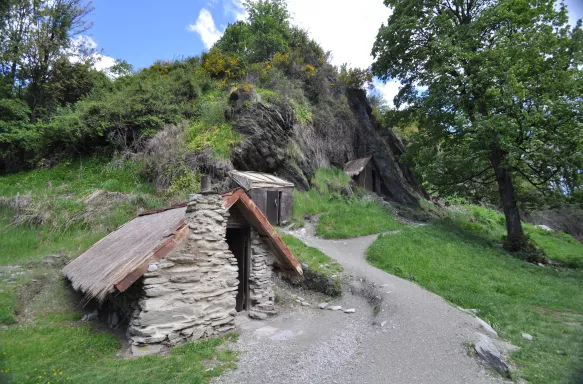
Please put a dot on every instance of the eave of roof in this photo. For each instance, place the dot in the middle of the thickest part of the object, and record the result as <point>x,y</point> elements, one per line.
<point>251,180</point>
<point>354,167</point>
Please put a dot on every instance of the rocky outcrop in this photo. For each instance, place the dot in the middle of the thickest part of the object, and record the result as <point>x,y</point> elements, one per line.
<point>276,143</point>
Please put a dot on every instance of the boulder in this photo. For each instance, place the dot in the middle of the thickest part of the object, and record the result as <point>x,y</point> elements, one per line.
<point>488,352</point>
<point>257,315</point>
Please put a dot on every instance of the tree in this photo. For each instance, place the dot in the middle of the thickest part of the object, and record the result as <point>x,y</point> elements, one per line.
<point>266,31</point>
<point>35,35</point>
<point>503,93</point>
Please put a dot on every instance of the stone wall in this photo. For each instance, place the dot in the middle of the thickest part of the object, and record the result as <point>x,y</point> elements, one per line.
<point>191,293</point>
<point>261,279</point>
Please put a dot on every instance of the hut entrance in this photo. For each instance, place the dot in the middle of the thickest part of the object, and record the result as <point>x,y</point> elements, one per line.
<point>239,243</point>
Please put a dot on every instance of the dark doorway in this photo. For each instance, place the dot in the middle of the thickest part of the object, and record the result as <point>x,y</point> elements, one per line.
<point>239,245</point>
<point>374,181</point>
<point>273,207</point>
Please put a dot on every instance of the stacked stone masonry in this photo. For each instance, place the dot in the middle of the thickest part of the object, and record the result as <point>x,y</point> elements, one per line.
<point>191,293</point>
<point>260,276</point>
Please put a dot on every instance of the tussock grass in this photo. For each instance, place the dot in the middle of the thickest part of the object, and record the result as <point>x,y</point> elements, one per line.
<point>51,216</point>
<point>458,258</point>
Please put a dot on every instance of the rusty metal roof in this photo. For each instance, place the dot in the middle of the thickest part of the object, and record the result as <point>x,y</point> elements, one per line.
<point>354,167</point>
<point>251,180</point>
<point>123,256</point>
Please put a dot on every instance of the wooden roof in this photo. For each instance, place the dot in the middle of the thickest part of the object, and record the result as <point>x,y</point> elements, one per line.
<point>251,180</point>
<point>354,167</point>
<point>123,256</point>
<point>130,248</point>
<point>259,222</point>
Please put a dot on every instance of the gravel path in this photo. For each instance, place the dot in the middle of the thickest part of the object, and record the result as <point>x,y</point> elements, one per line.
<point>416,338</point>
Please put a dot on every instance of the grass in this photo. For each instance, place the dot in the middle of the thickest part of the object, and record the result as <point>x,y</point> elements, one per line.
<point>317,260</point>
<point>342,217</point>
<point>323,273</point>
<point>458,259</point>
<point>56,220</point>
<point>50,345</point>
<point>80,354</point>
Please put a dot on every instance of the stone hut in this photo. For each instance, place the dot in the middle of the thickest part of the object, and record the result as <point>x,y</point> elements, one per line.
<point>274,196</point>
<point>183,273</point>
<point>365,174</point>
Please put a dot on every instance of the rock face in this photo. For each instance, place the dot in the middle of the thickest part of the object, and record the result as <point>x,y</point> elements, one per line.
<point>276,143</point>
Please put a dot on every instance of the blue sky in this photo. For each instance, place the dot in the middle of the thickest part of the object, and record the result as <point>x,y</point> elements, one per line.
<point>143,31</point>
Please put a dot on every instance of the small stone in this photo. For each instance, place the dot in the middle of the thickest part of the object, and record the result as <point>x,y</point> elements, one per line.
<point>305,304</point>
<point>351,310</point>
<point>335,308</point>
<point>152,268</point>
<point>527,336</point>
<point>305,266</point>
<point>486,327</point>
<point>544,227</point>
<point>257,315</point>
<point>322,305</point>
<point>91,316</point>
<point>383,323</point>
<point>114,320</point>
<point>146,350</point>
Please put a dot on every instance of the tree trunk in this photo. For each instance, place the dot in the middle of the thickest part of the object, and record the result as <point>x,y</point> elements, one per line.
<point>516,240</point>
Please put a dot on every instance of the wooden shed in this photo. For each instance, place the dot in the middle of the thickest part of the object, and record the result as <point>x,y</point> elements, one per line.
<point>273,196</point>
<point>364,173</point>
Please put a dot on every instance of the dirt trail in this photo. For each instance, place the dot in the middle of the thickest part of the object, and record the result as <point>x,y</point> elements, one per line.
<point>422,339</point>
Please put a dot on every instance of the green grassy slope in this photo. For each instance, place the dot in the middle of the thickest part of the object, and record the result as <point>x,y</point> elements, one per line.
<point>459,258</point>
<point>55,219</point>
<point>342,217</point>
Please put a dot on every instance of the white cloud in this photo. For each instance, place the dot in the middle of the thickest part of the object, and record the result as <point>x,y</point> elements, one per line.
<point>206,28</point>
<point>389,90</point>
<point>101,62</point>
<point>341,26</point>
<point>236,9</point>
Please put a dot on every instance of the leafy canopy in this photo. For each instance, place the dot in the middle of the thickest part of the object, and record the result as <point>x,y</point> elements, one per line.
<point>496,88</point>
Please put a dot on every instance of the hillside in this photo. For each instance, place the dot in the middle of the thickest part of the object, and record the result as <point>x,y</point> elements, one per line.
<point>83,151</point>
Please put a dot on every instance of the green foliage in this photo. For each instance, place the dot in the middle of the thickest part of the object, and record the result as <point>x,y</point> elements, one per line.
<point>318,264</point>
<point>511,295</point>
<point>7,305</point>
<point>502,101</point>
<point>355,77</point>
<point>302,112</point>
<point>342,217</point>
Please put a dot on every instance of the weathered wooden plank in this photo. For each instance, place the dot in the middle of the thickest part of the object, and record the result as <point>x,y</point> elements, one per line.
<point>158,254</point>
<point>287,204</point>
